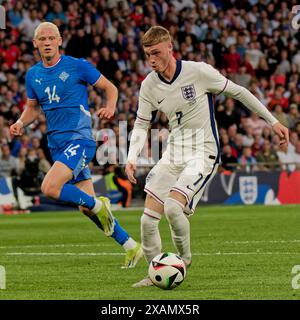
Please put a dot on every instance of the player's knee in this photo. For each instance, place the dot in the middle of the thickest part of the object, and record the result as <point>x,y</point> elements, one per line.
<point>150,223</point>
<point>50,190</point>
<point>144,222</point>
<point>43,187</point>
<point>172,208</point>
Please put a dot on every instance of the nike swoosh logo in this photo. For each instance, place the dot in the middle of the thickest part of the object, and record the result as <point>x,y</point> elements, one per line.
<point>160,101</point>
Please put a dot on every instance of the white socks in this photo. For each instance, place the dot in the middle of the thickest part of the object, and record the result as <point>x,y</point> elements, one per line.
<point>151,241</point>
<point>180,228</point>
<point>97,207</point>
<point>129,244</point>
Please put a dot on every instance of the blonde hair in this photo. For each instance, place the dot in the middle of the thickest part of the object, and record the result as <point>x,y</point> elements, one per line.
<point>44,25</point>
<point>155,35</point>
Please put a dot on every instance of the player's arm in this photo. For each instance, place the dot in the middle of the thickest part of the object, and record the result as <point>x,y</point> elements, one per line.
<point>111,93</point>
<point>88,73</point>
<point>32,108</point>
<point>252,103</point>
<point>137,141</point>
<point>216,83</point>
<point>30,113</point>
<point>139,134</point>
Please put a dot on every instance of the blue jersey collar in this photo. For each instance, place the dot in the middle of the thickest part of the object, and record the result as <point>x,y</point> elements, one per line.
<point>58,61</point>
<point>176,74</point>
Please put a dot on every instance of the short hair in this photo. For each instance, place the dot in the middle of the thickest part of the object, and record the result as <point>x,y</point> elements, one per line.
<point>44,25</point>
<point>155,35</point>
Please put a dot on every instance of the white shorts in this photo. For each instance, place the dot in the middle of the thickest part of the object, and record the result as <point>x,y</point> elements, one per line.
<point>189,179</point>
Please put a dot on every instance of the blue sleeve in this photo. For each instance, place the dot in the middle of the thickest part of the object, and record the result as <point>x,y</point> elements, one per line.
<point>29,90</point>
<point>87,72</point>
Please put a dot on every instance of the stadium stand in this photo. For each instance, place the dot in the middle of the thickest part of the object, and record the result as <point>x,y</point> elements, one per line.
<point>252,42</point>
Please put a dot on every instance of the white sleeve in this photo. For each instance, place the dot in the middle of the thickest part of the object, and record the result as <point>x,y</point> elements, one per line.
<point>146,107</point>
<point>213,80</point>
<point>217,83</point>
<point>141,126</point>
<point>250,101</point>
<point>137,140</point>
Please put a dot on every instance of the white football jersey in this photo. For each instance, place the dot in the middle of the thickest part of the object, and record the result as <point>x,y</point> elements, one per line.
<point>187,102</point>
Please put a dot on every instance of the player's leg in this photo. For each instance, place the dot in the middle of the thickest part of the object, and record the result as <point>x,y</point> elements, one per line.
<point>55,186</point>
<point>151,241</point>
<point>87,187</point>
<point>159,181</point>
<point>70,162</point>
<point>182,201</point>
<point>133,249</point>
<point>179,224</point>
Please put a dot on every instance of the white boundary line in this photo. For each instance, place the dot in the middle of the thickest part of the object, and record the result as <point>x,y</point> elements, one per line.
<point>64,254</point>
<point>244,253</point>
<point>119,254</point>
<point>58,245</point>
<point>262,241</point>
<point>78,245</point>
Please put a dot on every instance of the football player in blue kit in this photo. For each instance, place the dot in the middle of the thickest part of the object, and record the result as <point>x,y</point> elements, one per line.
<point>58,85</point>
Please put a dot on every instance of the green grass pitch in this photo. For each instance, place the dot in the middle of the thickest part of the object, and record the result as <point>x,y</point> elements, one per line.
<point>238,253</point>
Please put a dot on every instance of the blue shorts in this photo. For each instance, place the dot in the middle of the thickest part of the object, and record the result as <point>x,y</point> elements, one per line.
<point>76,155</point>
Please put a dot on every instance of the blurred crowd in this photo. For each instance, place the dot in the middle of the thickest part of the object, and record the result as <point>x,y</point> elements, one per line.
<point>252,42</point>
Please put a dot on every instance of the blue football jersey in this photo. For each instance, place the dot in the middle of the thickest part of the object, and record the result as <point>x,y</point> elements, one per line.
<point>61,91</point>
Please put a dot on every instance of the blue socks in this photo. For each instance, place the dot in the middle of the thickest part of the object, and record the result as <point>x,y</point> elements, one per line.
<point>72,194</point>
<point>120,235</point>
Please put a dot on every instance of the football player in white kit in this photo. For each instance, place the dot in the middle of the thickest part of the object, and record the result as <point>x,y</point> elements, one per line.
<point>183,91</point>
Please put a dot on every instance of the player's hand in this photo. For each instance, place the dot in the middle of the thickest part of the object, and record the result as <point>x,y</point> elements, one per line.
<point>106,113</point>
<point>130,169</point>
<point>282,132</point>
<point>16,129</point>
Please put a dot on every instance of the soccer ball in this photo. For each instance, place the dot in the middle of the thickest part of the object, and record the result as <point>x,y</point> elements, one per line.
<point>167,270</point>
